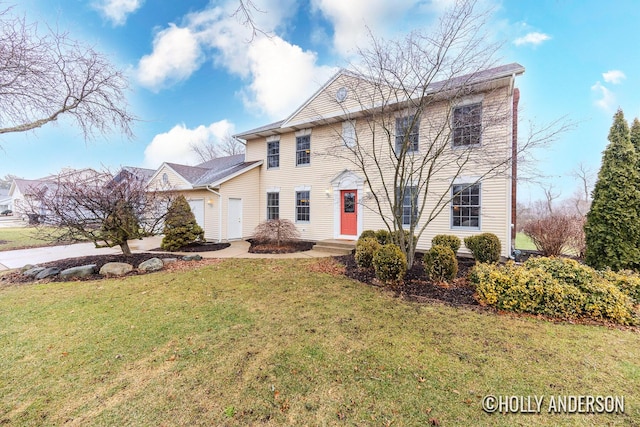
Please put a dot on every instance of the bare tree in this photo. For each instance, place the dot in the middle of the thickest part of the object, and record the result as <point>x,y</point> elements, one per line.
<point>412,86</point>
<point>582,198</point>
<point>45,75</point>
<point>549,197</point>
<point>227,146</point>
<point>98,206</point>
<point>244,13</point>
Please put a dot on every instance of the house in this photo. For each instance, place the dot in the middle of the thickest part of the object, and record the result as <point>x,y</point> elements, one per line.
<point>302,171</point>
<point>222,193</point>
<point>6,203</point>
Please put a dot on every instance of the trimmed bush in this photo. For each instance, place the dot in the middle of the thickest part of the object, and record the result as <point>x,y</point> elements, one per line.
<point>440,263</point>
<point>367,233</point>
<point>447,240</point>
<point>180,226</point>
<point>384,237</point>
<point>365,250</point>
<point>390,264</point>
<point>485,247</point>
<point>626,280</point>
<point>553,287</point>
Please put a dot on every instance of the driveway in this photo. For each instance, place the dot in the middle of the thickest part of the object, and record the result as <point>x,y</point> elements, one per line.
<point>21,257</point>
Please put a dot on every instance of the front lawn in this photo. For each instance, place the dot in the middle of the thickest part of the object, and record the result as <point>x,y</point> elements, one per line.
<point>20,237</point>
<point>278,342</point>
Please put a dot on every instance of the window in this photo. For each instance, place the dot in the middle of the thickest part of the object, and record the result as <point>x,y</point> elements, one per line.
<point>302,206</point>
<point>349,133</point>
<point>407,134</point>
<point>409,204</point>
<point>467,125</point>
<point>165,179</point>
<point>273,154</point>
<point>303,150</point>
<point>273,205</point>
<point>465,205</point>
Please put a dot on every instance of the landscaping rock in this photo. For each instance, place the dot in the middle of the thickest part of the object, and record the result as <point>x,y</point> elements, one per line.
<point>80,271</point>
<point>116,269</point>
<point>169,260</point>
<point>48,272</point>
<point>28,267</point>
<point>33,271</point>
<point>153,264</point>
<point>195,257</point>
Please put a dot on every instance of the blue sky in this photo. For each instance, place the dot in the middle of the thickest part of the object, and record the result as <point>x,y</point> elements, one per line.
<point>195,76</point>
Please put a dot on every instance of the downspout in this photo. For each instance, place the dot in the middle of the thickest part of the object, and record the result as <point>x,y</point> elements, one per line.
<point>219,211</point>
<point>514,165</point>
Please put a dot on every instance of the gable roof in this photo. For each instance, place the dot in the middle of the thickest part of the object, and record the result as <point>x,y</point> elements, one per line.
<point>217,177</point>
<point>24,185</point>
<point>287,125</point>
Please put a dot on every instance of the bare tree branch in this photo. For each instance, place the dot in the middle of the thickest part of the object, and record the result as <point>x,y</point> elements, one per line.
<point>45,75</point>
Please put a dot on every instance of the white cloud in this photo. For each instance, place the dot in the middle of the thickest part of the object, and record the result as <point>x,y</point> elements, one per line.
<point>176,145</point>
<point>278,89</point>
<point>607,99</point>
<point>614,76</point>
<point>117,11</point>
<point>176,55</point>
<point>534,39</point>
<point>279,75</point>
<point>352,19</point>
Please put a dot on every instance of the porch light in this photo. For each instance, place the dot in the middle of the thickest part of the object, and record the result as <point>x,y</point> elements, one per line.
<point>210,201</point>
<point>328,192</point>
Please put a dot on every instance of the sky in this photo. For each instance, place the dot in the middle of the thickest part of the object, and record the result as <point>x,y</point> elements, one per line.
<point>196,73</point>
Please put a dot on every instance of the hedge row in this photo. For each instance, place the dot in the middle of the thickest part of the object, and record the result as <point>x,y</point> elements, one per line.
<point>558,287</point>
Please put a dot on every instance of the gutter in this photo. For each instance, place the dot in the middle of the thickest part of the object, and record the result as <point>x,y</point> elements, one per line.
<point>219,211</point>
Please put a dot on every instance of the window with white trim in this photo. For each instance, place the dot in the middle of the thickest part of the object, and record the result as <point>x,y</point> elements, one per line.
<point>349,133</point>
<point>303,150</point>
<point>273,205</point>
<point>408,204</point>
<point>465,206</point>
<point>407,133</point>
<point>303,210</point>
<point>467,125</point>
<point>273,154</point>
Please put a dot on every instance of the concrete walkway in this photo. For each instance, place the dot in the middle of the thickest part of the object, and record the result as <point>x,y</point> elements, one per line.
<point>21,257</point>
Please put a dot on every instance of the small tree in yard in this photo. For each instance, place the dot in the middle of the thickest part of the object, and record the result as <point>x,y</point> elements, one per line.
<point>276,231</point>
<point>553,234</point>
<point>95,206</point>
<point>180,226</point>
<point>612,229</point>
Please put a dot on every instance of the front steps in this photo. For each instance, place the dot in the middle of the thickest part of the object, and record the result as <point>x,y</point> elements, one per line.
<point>335,247</point>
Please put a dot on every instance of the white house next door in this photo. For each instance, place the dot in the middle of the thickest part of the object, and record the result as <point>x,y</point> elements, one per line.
<point>234,220</point>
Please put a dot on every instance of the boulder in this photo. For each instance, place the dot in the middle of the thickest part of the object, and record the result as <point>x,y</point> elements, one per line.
<point>80,271</point>
<point>32,272</point>
<point>48,272</point>
<point>169,260</point>
<point>195,257</point>
<point>116,269</point>
<point>153,264</point>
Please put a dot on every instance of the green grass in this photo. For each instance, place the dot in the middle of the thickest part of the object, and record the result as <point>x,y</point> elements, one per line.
<point>24,237</point>
<point>270,342</point>
<point>524,242</point>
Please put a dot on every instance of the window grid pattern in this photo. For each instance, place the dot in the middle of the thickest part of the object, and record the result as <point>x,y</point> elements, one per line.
<point>409,205</point>
<point>273,154</point>
<point>465,206</point>
<point>273,205</point>
<point>467,125</point>
<point>303,150</point>
<point>407,132</point>
<point>303,211</point>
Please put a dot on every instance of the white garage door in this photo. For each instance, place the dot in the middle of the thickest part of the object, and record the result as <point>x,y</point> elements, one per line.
<point>197,207</point>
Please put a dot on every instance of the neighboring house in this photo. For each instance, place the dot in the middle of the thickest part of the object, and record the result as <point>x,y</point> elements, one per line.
<point>222,193</point>
<point>289,175</point>
<point>5,200</point>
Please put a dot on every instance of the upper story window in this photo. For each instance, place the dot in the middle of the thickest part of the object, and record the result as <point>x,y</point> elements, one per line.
<point>467,125</point>
<point>273,154</point>
<point>349,133</point>
<point>465,206</point>
<point>303,150</point>
<point>165,179</point>
<point>407,134</point>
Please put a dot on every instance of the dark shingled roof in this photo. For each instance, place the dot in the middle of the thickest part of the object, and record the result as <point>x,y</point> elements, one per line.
<point>212,171</point>
<point>215,176</point>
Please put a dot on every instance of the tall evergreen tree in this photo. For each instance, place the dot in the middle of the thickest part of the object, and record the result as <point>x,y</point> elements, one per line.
<point>612,229</point>
<point>635,136</point>
<point>180,226</point>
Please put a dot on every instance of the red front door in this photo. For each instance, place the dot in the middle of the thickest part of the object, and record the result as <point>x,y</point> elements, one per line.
<point>348,212</point>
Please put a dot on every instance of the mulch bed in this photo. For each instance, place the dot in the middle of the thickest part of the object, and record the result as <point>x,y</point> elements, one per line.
<point>285,248</point>
<point>199,247</point>
<point>417,287</point>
